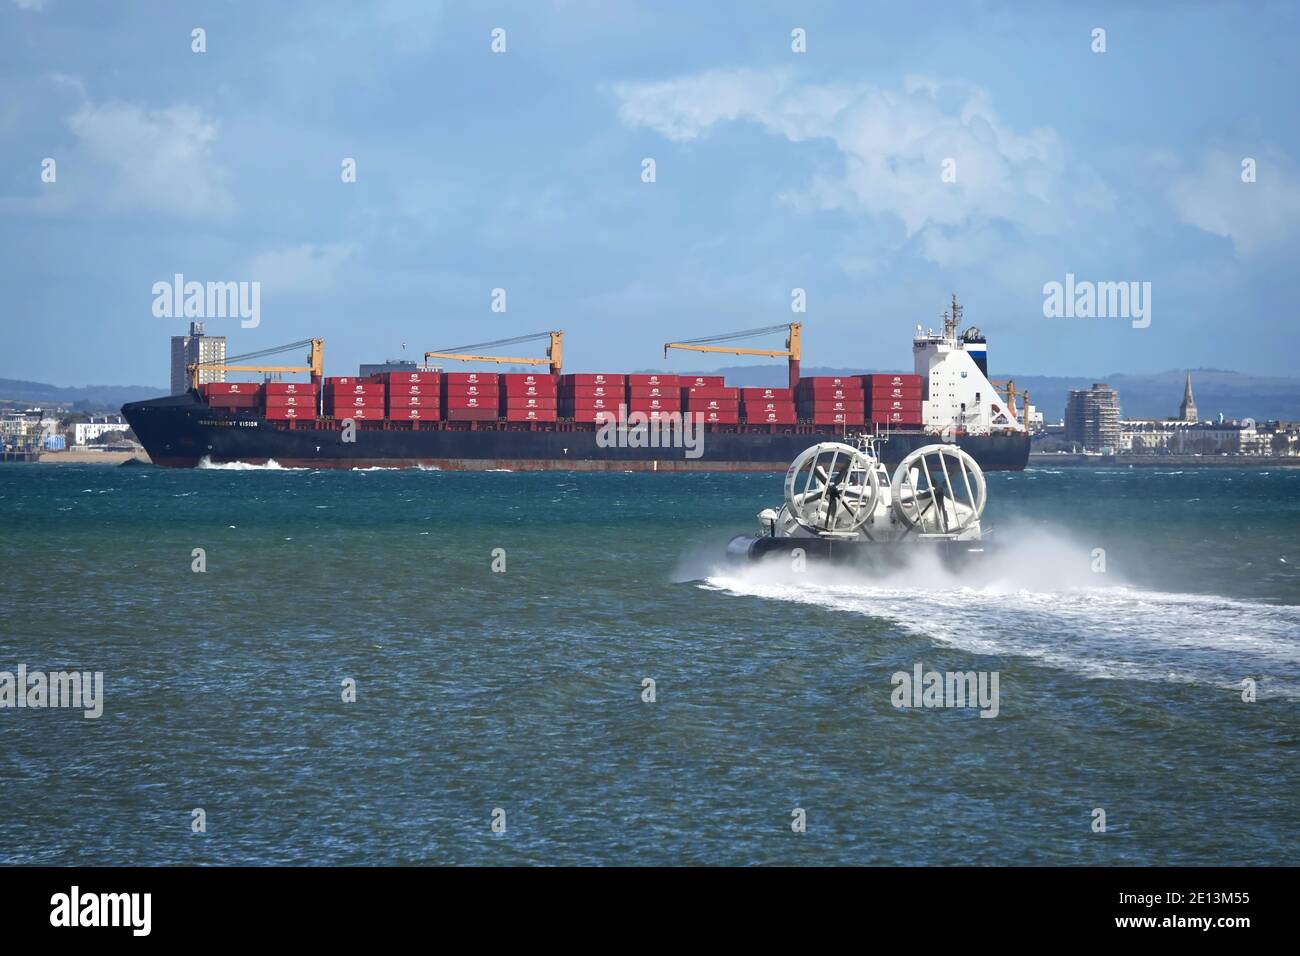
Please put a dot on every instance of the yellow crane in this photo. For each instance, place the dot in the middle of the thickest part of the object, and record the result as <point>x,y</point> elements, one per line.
<point>315,362</point>
<point>469,353</point>
<point>792,351</point>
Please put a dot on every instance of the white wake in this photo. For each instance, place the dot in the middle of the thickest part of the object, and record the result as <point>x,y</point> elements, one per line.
<point>1039,599</point>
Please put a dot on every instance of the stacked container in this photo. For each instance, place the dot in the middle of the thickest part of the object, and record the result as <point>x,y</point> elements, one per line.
<point>892,399</point>
<point>347,396</point>
<point>831,400</point>
<point>708,397</point>
<point>654,394</point>
<point>287,401</point>
<point>767,406</point>
<point>231,395</point>
<point>471,396</point>
<point>412,396</point>
<point>529,398</point>
<point>585,396</point>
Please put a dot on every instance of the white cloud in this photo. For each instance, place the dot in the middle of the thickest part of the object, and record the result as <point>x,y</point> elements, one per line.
<point>893,144</point>
<point>37,5</point>
<point>1213,198</point>
<point>157,160</point>
<point>305,269</point>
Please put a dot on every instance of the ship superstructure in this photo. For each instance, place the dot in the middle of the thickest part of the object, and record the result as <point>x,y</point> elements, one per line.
<point>959,396</point>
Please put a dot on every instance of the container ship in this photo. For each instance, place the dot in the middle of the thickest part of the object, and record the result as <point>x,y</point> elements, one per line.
<point>426,416</point>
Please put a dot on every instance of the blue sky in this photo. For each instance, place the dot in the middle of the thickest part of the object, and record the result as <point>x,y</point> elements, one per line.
<point>774,170</point>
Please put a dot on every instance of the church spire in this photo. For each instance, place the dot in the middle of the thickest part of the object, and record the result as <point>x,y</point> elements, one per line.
<point>1187,410</point>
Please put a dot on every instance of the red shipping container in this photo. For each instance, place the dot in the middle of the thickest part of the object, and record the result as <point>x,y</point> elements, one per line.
<point>285,412</point>
<point>356,388</point>
<point>357,414</point>
<point>364,413</point>
<point>731,417</point>
<point>895,391</point>
<point>712,404</point>
<point>855,408</point>
<point>912,406</point>
<point>529,391</point>
<point>831,381</point>
<point>290,388</point>
<point>529,401</point>
<point>230,388</point>
<point>654,405</point>
<point>414,401</point>
<point>784,416</point>
<point>820,392</point>
<point>477,391</point>
<point>763,408</point>
<point>471,401</point>
<point>530,414</point>
<point>597,403</point>
<point>414,388</point>
<point>590,414</point>
<point>343,380</point>
<point>891,378</point>
<point>767,394</point>
<point>471,378</point>
<point>895,418</point>
<point>653,391</point>
<point>711,391</point>
<point>470,414</point>
<point>594,391</point>
<point>527,378</point>
<point>590,379</point>
<point>652,381</point>
<point>414,414</point>
<point>234,401</point>
<point>409,378</point>
<point>301,401</point>
<point>837,418</point>
<point>702,381</point>
<point>354,401</point>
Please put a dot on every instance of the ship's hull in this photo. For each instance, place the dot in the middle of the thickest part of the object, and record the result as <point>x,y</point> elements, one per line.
<point>180,431</point>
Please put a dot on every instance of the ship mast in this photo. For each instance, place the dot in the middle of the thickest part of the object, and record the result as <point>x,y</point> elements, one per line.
<point>951,320</point>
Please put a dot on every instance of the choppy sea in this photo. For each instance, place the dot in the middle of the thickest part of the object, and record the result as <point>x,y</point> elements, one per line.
<point>1123,614</point>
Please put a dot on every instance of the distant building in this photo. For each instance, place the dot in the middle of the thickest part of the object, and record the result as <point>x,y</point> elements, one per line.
<point>195,347</point>
<point>1173,437</point>
<point>84,432</point>
<point>1220,438</point>
<point>1186,435</point>
<point>1092,418</point>
<point>13,424</point>
<point>1151,436</point>
<point>1187,410</point>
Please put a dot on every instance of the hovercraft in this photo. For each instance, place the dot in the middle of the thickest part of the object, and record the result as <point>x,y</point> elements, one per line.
<point>842,506</point>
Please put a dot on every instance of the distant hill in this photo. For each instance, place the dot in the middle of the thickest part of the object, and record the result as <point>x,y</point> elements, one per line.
<point>1156,395</point>
<point>94,397</point>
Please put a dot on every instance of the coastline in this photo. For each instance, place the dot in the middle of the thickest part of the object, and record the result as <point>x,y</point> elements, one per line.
<point>1041,459</point>
<point>81,456</point>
